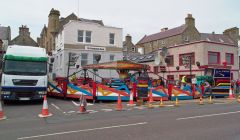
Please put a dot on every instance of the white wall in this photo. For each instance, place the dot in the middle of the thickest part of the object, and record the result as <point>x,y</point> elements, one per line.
<point>100,34</point>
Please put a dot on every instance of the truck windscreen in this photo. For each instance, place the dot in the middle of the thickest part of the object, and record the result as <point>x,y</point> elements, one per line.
<point>25,68</point>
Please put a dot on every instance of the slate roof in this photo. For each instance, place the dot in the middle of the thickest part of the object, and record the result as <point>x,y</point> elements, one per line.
<point>164,34</point>
<point>219,38</point>
<point>141,58</point>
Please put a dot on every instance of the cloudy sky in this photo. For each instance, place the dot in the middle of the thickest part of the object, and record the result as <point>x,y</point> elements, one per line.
<point>136,17</point>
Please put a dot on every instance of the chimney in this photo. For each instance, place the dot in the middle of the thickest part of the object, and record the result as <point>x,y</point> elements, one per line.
<point>128,38</point>
<point>189,20</point>
<point>233,33</point>
<point>24,31</point>
<point>164,29</point>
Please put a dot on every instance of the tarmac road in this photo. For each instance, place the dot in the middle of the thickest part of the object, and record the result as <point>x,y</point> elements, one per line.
<point>189,121</point>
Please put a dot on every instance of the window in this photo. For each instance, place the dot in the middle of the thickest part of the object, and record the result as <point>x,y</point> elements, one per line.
<point>84,36</point>
<point>111,57</point>
<point>111,38</point>
<point>186,38</point>
<point>133,49</point>
<point>80,35</point>
<point>229,59</point>
<point>155,69</point>
<point>84,59</point>
<point>186,56</point>
<point>170,60</point>
<point>213,57</point>
<point>94,56</point>
<point>88,37</point>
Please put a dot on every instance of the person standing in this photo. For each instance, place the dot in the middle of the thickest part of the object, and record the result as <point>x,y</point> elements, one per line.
<point>207,88</point>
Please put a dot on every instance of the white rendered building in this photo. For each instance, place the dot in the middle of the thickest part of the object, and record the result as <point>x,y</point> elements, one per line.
<point>79,41</point>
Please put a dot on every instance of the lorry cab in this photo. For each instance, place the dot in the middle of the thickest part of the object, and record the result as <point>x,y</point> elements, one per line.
<point>24,74</point>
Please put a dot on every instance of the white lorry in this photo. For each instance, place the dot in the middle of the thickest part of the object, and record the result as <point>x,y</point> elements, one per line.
<point>24,73</point>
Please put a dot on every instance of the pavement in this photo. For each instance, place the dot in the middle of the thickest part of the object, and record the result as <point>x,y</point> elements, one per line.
<point>217,121</point>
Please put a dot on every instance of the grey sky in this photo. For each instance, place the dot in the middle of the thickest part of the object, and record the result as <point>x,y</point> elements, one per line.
<point>136,17</point>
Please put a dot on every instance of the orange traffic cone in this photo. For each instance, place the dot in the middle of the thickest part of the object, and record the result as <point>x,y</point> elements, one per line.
<point>83,105</point>
<point>119,105</point>
<point>2,117</point>
<point>45,112</point>
<point>201,100</point>
<point>150,96</point>
<point>231,96</point>
<point>131,103</point>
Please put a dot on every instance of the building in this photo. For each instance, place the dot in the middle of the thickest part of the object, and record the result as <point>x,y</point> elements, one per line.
<point>79,41</point>
<point>5,37</point>
<point>23,38</point>
<point>169,37</point>
<point>129,49</point>
<point>209,50</point>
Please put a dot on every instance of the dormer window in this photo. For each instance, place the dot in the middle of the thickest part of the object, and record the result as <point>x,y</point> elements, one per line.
<point>133,49</point>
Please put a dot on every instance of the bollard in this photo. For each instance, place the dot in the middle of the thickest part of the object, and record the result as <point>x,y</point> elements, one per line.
<point>176,102</point>
<point>238,99</point>
<point>161,103</point>
<point>210,101</point>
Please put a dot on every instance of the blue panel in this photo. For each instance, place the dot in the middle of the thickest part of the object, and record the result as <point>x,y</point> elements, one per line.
<point>159,93</point>
<point>55,87</point>
<point>182,98</point>
<point>123,87</point>
<point>16,88</point>
<point>79,89</point>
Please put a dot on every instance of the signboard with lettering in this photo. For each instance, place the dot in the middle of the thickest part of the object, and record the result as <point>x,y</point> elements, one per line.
<point>95,48</point>
<point>223,73</point>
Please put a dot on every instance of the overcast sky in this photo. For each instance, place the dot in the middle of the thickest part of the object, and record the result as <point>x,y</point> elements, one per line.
<point>136,17</point>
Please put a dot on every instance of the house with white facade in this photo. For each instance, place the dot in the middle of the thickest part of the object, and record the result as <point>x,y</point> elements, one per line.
<point>79,41</point>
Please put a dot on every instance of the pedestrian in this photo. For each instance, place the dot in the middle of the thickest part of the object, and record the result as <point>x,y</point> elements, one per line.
<point>183,82</point>
<point>207,88</point>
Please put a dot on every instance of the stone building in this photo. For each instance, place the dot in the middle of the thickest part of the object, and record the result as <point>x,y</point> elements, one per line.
<point>75,42</point>
<point>5,36</point>
<point>129,49</point>
<point>210,50</point>
<point>23,38</point>
<point>169,37</point>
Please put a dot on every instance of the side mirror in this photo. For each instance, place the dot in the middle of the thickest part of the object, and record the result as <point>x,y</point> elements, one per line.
<point>77,66</point>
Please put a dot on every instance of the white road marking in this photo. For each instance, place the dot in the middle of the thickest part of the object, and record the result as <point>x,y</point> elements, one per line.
<point>83,130</point>
<point>209,115</point>
<point>70,111</point>
<point>58,108</point>
<point>76,104</point>
<point>107,110</point>
<point>92,111</point>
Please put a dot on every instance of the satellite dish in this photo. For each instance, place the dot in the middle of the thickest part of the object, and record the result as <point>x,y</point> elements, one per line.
<point>157,59</point>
